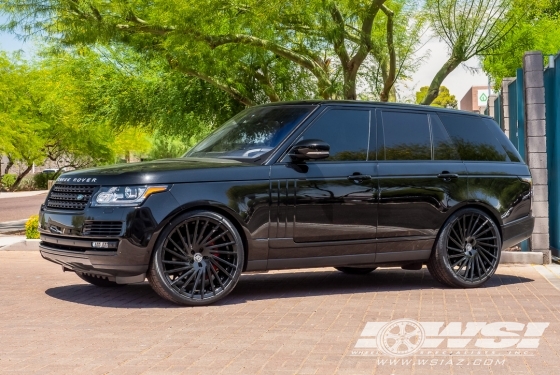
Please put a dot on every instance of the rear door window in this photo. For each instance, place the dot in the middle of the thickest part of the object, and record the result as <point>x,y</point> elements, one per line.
<point>406,136</point>
<point>473,138</point>
<point>444,148</point>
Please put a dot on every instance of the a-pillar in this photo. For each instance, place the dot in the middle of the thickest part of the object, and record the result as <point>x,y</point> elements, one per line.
<point>535,130</point>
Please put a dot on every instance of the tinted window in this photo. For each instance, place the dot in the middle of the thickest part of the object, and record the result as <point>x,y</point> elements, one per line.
<point>346,131</point>
<point>407,136</point>
<point>444,149</point>
<point>510,150</point>
<point>473,139</point>
<point>251,133</point>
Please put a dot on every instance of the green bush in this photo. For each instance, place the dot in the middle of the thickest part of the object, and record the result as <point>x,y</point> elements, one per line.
<point>8,180</point>
<point>41,180</point>
<point>32,227</point>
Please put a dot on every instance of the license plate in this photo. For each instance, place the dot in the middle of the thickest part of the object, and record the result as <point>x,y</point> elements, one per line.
<point>100,245</point>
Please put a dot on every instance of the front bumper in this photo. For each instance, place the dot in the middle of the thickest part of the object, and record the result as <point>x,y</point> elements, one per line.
<point>516,231</point>
<point>65,241</point>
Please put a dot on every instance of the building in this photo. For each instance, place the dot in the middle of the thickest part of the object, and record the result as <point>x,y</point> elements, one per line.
<point>475,100</point>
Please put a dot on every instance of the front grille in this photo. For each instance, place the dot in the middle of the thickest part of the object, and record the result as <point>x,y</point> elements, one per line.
<point>102,228</point>
<point>65,197</point>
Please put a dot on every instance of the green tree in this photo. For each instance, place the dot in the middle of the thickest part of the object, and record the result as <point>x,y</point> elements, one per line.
<point>444,99</point>
<point>539,30</point>
<point>252,50</point>
<point>469,29</point>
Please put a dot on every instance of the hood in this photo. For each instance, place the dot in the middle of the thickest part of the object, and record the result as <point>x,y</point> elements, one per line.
<point>166,171</point>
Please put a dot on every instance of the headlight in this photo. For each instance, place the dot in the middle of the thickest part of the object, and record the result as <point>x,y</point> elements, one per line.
<point>125,195</point>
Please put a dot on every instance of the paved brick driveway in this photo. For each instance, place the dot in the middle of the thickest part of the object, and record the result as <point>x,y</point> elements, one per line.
<point>305,322</point>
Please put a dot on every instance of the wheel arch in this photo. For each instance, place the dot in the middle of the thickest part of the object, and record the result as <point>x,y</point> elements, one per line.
<point>218,208</point>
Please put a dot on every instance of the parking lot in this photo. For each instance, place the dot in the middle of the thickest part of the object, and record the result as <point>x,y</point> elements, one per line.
<point>297,322</point>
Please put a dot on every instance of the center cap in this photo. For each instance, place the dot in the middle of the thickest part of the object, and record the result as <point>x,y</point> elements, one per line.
<point>198,257</point>
<point>468,247</point>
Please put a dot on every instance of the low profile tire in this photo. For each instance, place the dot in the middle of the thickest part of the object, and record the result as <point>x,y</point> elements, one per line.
<point>96,280</point>
<point>355,270</point>
<point>198,259</point>
<point>468,249</point>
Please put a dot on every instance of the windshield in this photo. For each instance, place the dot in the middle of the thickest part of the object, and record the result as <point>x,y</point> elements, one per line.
<point>251,133</point>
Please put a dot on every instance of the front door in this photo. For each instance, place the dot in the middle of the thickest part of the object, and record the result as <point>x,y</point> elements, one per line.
<point>329,200</point>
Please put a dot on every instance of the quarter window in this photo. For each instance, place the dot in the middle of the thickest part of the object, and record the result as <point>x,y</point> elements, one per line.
<point>346,131</point>
<point>407,136</point>
<point>473,138</point>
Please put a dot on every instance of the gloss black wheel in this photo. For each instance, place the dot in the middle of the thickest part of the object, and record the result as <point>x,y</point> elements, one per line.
<point>355,270</point>
<point>198,259</point>
<point>468,250</point>
<point>97,280</point>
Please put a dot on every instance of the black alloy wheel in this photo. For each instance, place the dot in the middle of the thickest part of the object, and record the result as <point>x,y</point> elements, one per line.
<point>198,259</point>
<point>97,280</point>
<point>355,270</point>
<point>468,250</point>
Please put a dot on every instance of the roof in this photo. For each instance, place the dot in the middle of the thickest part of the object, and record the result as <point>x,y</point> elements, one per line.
<point>363,103</point>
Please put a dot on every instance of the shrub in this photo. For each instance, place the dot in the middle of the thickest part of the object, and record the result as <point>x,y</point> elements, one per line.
<point>32,227</point>
<point>41,180</point>
<point>8,180</point>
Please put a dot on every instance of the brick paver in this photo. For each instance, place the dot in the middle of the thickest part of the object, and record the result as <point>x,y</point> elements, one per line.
<point>296,322</point>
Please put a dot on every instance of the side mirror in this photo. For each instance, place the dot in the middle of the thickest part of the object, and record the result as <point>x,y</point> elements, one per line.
<point>310,149</point>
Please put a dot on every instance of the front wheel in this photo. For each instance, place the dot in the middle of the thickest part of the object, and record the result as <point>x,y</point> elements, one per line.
<point>198,259</point>
<point>468,250</point>
<point>355,270</point>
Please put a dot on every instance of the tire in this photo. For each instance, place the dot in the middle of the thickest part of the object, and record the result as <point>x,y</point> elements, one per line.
<point>467,251</point>
<point>197,260</point>
<point>96,280</point>
<point>356,270</point>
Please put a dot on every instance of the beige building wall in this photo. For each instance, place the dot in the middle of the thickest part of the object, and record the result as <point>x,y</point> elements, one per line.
<point>470,100</point>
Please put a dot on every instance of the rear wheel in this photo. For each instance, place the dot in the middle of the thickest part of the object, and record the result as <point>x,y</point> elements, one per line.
<point>468,250</point>
<point>355,270</point>
<point>198,259</point>
<point>96,280</point>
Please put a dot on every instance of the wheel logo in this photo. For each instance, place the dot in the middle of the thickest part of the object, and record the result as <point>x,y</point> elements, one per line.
<point>198,257</point>
<point>401,337</point>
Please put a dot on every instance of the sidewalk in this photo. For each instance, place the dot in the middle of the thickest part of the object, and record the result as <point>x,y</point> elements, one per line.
<point>21,194</point>
<point>10,240</point>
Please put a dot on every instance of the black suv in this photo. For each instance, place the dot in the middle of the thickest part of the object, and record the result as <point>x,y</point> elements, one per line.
<point>351,185</point>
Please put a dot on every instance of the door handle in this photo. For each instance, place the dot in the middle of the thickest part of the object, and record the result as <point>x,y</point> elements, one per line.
<point>448,176</point>
<point>359,177</point>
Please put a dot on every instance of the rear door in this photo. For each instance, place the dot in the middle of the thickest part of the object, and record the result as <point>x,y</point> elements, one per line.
<point>421,177</point>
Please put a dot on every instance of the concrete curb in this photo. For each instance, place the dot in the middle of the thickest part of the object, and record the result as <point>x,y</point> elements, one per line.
<point>25,245</point>
<point>522,257</point>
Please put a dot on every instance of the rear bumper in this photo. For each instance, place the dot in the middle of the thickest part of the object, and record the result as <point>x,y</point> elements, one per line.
<point>517,231</point>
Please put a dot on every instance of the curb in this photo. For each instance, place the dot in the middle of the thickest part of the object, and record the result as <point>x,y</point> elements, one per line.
<point>25,245</point>
<point>522,257</point>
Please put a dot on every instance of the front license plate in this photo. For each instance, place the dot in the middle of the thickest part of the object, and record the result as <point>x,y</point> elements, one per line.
<point>100,245</point>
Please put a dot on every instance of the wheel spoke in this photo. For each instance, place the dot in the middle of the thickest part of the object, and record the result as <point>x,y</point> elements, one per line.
<point>186,283</point>
<point>225,252</point>
<point>195,283</point>
<point>202,282</point>
<point>220,245</point>
<point>204,241</point>
<point>486,244</point>
<point>176,254</point>
<point>195,232</point>
<point>201,233</point>
<point>488,253</point>
<point>214,239</point>
<point>484,231</point>
<point>216,276</point>
<point>480,227</point>
<point>185,245</point>
<point>481,254</point>
<point>455,249</point>
<point>456,243</point>
<point>179,269</point>
<point>211,282</point>
<point>182,277</point>
<point>223,261</point>
<point>455,256</point>
<point>459,261</point>
<point>221,268</point>
<point>176,262</point>
<point>177,246</point>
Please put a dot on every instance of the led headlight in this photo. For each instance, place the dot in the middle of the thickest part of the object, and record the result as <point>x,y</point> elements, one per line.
<point>125,195</point>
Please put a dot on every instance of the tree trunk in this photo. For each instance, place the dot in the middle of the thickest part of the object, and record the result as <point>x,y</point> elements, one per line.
<point>20,177</point>
<point>433,90</point>
<point>9,165</point>
<point>350,83</point>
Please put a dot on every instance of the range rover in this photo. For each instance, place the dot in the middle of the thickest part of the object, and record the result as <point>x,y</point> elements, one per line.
<point>349,185</point>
